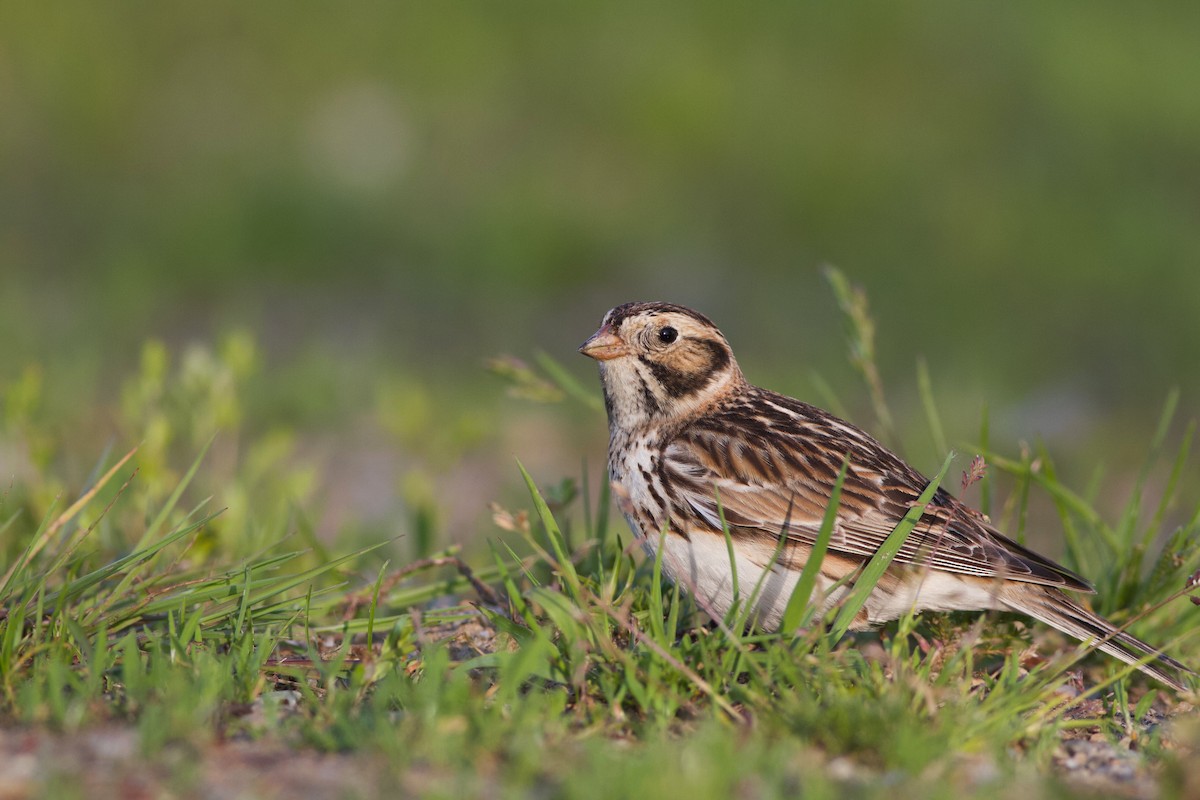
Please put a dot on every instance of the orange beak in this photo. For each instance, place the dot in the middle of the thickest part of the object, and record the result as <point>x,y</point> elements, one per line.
<point>604,345</point>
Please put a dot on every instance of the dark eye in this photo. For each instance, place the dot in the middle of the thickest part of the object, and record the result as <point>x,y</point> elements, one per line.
<point>667,335</point>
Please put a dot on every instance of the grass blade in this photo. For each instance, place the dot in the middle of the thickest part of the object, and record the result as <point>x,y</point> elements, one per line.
<point>879,562</point>
<point>160,520</point>
<point>566,381</point>
<point>925,387</point>
<point>801,606</point>
<point>554,534</point>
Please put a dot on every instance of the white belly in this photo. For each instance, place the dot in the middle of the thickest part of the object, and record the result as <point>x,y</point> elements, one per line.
<point>701,566</point>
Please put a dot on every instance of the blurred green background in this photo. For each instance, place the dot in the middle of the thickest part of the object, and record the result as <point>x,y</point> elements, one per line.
<point>380,196</point>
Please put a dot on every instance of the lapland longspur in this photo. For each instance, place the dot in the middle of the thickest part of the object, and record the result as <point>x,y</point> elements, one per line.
<point>686,428</point>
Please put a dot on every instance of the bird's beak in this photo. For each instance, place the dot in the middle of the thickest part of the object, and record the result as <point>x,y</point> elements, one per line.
<point>604,345</point>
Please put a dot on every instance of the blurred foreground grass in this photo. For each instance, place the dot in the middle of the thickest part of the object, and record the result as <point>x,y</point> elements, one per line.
<point>187,603</point>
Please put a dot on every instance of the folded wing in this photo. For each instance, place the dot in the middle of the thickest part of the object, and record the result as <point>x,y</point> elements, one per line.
<point>774,474</point>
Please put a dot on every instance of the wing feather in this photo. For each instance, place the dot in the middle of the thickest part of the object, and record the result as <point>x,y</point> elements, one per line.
<point>772,462</point>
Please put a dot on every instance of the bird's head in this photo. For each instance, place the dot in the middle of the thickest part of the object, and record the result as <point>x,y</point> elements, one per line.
<point>660,361</point>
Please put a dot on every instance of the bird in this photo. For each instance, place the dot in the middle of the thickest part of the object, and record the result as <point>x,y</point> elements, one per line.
<point>695,449</point>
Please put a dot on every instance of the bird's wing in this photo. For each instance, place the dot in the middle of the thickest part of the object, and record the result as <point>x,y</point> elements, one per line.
<point>777,478</point>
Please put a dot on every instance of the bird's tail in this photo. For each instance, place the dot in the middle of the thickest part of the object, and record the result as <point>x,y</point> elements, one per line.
<point>1049,605</point>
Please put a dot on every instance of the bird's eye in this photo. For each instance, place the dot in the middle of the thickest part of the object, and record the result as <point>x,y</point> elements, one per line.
<point>667,335</point>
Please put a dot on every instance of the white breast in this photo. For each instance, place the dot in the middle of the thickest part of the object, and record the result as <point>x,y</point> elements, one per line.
<point>634,467</point>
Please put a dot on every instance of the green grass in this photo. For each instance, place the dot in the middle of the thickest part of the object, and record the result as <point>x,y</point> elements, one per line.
<point>142,605</point>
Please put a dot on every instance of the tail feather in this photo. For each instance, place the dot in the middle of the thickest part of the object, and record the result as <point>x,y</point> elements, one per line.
<point>1049,605</point>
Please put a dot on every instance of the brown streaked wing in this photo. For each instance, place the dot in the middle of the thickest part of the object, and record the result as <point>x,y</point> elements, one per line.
<point>774,460</point>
